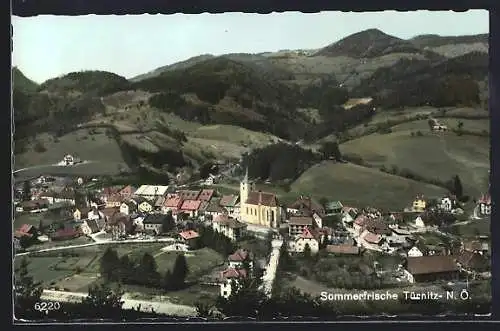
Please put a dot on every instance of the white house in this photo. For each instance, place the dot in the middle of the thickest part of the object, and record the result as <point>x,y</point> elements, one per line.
<point>128,207</point>
<point>229,227</point>
<point>229,278</point>
<point>95,214</point>
<point>414,252</point>
<point>81,213</point>
<point>239,257</point>
<point>446,204</point>
<point>308,237</point>
<point>485,205</point>
<point>419,223</point>
<point>318,220</point>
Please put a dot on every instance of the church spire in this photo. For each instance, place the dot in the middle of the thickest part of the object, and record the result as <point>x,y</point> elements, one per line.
<point>245,179</point>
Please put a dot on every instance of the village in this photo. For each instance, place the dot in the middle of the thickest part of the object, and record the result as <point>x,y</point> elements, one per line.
<point>421,251</point>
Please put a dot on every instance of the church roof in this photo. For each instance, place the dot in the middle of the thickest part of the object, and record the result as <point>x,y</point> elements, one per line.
<point>262,198</point>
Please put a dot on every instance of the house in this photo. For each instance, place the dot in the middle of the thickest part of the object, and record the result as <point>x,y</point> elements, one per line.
<point>189,194</point>
<point>419,204</point>
<point>128,207</point>
<point>415,252</point>
<point>157,222</point>
<point>66,195</point>
<point>343,249</point>
<point>484,205</point>
<point>333,208</point>
<point>257,207</point>
<point>439,128</point>
<point>432,268</point>
<point>348,216</point>
<point>309,237</point>
<point>371,238</point>
<point>189,238</point>
<point>151,192</point>
<point>81,213</point>
<point>447,203</point>
<point>305,204</point>
<point>119,225</point>
<point>419,222</point>
<point>190,207</point>
<point>113,201</point>
<point>229,278</point>
<point>172,203</point>
<point>94,225</point>
<point>229,203</point>
<point>127,192</point>
<point>297,225</point>
<point>476,246</point>
<point>144,205</point>
<point>238,259</point>
<point>33,205</point>
<point>359,223</point>
<point>206,195</point>
<point>28,229</point>
<point>65,234</point>
<point>109,191</point>
<point>95,214</point>
<point>472,262</point>
<point>214,209</point>
<point>377,226</point>
<point>229,227</point>
<point>109,212</point>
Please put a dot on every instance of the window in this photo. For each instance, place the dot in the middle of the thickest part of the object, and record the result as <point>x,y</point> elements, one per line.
<point>224,293</point>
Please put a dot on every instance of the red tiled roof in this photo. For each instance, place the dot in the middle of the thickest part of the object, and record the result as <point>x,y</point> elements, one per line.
<point>206,195</point>
<point>228,200</point>
<point>229,222</point>
<point>486,199</point>
<point>189,195</point>
<point>309,204</point>
<point>308,233</point>
<point>372,238</point>
<point>233,273</point>
<point>19,234</point>
<point>111,190</point>
<point>187,235</point>
<point>430,264</point>
<point>26,228</point>
<point>66,232</point>
<point>300,220</point>
<point>262,198</point>
<point>361,220</point>
<point>172,202</point>
<point>191,205</point>
<point>240,255</point>
<point>108,212</point>
<point>342,249</point>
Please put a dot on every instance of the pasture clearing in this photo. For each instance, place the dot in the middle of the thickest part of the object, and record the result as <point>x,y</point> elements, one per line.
<point>433,156</point>
<point>361,186</point>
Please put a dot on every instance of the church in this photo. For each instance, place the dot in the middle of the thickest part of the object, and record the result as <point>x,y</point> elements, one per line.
<point>256,207</point>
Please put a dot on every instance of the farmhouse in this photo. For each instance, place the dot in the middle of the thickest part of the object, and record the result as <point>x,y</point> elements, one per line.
<point>66,195</point>
<point>229,227</point>
<point>81,213</point>
<point>229,202</point>
<point>156,222</point>
<point>309,237</point>
<point>238,259</point>
<point>229,277</point>
<point>189,238</point>
<point>297,225</point>
<point>305,206</point>
<point>259,208</point>
<point>484,205</point>
<point>151,192</point>
<point>190,207</point>
<point>431,268</point>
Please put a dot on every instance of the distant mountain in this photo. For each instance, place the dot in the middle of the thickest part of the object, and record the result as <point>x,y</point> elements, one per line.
<point>433,40</point>
<point>368,44</point>
<point>21,82</point>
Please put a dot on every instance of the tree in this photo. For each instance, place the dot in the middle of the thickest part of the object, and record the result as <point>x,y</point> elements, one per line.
<point>202,309</point>
<point>26,191</point>
<point>167,281</point>
<point>104,301</point>
<point>167,222</point>
<point>109,265</point>
<point>456,187</point>
<point>179,272</point>
<point>330,149</point>
<point>126,269</point>
<point>41,226</point>
<point>27,291</point>
<point>246,298</point>
<point>147,271</point>
<point>307,251</point>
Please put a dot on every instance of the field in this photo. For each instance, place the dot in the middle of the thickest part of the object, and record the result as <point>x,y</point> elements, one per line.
<point>433,156</point>
<point>451,123</point>
<point>361,186</point>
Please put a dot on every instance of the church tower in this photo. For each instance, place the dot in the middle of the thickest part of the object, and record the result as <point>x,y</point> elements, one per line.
<point>245,188</point>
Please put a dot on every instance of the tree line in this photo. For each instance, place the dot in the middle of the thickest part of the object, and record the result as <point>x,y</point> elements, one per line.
<point>143,271</point>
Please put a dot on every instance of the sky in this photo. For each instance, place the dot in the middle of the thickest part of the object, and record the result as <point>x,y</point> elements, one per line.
<point>48,46</point>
